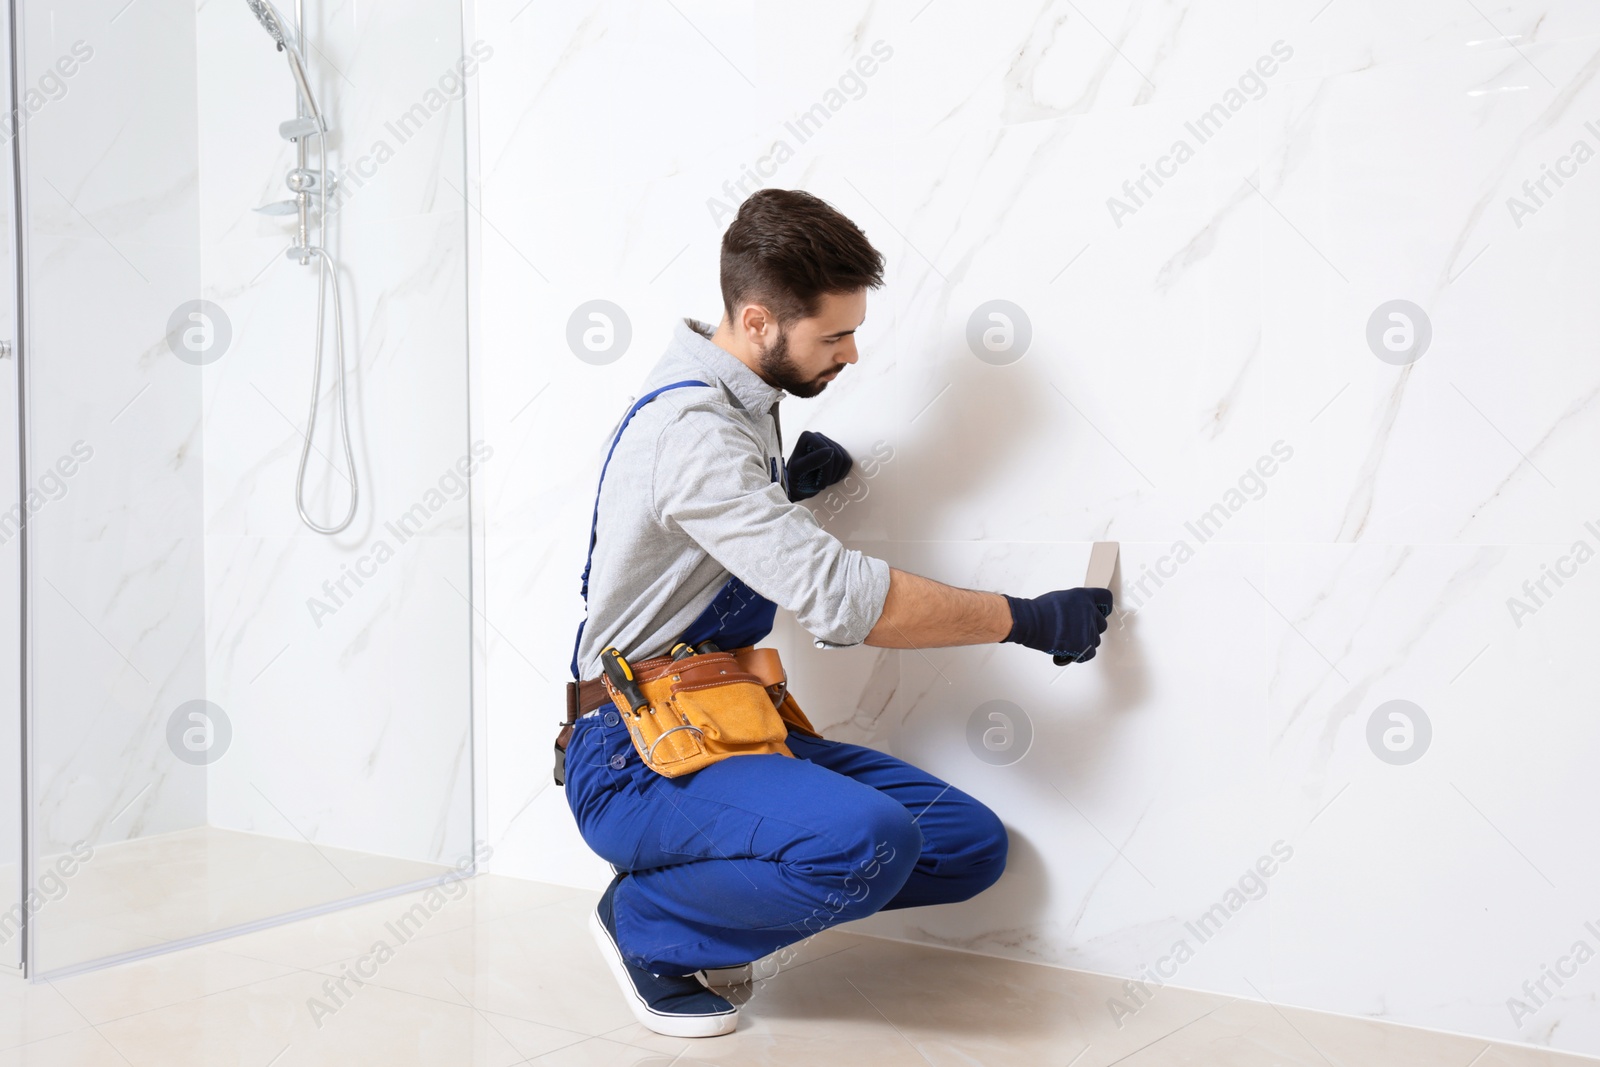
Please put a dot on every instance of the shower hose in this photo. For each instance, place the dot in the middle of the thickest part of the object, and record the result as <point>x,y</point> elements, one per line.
<point>327,274</point>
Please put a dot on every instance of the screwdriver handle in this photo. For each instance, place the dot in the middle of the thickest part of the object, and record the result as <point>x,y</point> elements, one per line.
<point>621,677</point>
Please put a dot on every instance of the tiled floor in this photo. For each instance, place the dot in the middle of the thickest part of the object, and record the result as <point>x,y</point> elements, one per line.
<point>168,887</point>
<point>506,974</point>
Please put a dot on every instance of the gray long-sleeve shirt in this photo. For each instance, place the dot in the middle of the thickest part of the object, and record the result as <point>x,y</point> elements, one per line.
<point>689,498</point>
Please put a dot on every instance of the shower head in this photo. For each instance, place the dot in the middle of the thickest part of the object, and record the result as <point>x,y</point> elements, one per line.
<point>283,32</point>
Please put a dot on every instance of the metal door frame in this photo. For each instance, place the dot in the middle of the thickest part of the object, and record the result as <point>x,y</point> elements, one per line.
<point>19,352</point>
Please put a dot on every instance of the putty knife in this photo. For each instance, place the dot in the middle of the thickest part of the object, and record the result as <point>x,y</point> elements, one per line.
<point>1102,566</point>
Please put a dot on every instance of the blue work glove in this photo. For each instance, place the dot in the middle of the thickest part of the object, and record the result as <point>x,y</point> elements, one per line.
<point>1066,623</point>
<point>816,463</point>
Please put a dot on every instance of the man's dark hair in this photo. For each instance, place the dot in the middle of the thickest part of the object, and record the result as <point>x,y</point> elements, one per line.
<point>786,248</point>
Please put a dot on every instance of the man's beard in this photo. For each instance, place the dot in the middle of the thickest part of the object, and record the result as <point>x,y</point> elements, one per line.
<point>778,367</point>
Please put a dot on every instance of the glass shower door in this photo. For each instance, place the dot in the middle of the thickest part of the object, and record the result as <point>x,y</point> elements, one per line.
<point>236,720</point>
<point>12,915</point>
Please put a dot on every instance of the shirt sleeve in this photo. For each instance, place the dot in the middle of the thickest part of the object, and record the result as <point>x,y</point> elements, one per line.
<point>711,481</point>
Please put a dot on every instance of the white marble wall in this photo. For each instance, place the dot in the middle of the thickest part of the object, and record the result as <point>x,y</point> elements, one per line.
<point>1229,709</point>
<point>350,702</point>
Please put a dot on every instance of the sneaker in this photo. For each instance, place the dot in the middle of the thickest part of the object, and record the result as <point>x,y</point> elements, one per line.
<point>726,977</point>
<point>672,1005</point>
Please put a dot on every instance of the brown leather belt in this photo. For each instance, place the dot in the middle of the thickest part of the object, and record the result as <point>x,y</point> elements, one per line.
<point>589,695</point>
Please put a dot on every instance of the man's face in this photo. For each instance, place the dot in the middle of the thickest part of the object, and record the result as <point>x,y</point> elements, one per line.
<point>809,353</point>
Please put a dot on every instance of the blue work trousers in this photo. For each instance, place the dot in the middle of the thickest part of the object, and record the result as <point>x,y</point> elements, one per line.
<point>752,853</point>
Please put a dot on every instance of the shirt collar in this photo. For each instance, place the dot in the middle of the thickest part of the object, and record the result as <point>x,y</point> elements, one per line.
<point>755,395</point>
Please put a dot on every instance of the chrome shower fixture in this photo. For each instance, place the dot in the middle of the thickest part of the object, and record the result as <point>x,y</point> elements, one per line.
<point>269,18</point>
<point>310,186</point>
<point>307,123</point>
<point>288,41</point>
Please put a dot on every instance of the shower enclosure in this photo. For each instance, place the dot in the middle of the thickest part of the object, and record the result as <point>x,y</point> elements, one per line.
<point>216,717</point>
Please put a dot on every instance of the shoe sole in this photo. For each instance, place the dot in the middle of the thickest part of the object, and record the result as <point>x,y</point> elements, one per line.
<point>715,978</point>
<point>659,1022</point>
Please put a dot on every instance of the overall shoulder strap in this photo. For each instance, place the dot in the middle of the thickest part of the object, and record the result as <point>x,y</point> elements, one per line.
<point>594,522</point>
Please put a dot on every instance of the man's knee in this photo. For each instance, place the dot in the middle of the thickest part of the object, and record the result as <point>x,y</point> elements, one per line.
<point>978,857</point>
<point>886,848</point>
<point>986,853</point>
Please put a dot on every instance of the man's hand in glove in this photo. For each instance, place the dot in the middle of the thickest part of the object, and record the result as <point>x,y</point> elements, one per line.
<point>816,463</point>
<point>1067,622</point>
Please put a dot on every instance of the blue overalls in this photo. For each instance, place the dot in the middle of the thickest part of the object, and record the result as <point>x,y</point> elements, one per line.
<point>752,853</point>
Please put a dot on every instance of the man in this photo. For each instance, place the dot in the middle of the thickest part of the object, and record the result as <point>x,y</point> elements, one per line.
<point>698,536</point>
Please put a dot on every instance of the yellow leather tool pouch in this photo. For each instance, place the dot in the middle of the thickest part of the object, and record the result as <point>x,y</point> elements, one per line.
<point>709,706</point>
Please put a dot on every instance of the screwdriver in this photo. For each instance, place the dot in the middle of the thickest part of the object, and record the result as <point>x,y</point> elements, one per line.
<point>683,649</point>
<point>621,677</point>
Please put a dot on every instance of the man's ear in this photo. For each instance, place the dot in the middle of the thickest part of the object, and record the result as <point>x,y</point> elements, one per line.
<point>756,321</point>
